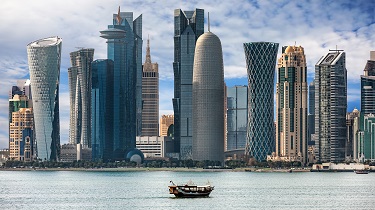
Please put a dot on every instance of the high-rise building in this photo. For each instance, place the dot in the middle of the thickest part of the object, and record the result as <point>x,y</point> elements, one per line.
<point>102,109</point>
<point>368,87</point>
<point>165,122</point>
<point>364,146</point>
<point>208,99</point>
<point>352,130</point>
<point>291,105</point>
<point>79,76</point>
<point>330,107</point>
<point>150,96</point>
<point>21,135</point>
<point>236,117</point>
<point>260,63</point>
<point>188,26</point>
<point>44,57</point>
<point>133,83</point>
<point>366,139</point>
<point>124,40</point>
<point>311,115</point>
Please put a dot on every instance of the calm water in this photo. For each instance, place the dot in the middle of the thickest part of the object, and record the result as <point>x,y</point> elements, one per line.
<point>148,190</point>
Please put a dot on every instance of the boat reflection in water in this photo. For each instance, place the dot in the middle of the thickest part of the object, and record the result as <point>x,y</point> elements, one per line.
<point>190,190</point>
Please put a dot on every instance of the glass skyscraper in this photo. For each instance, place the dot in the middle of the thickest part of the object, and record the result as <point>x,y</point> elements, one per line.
<point>236,117</point>
<point>330,107</point>
<point>124,40</point>
<point>79,76</point>
<point>261,64</point>
<point>44,58</point>
<point>188,26</point>
<point>365,146</point>
<point>368,87</point>
<point>102,109</point>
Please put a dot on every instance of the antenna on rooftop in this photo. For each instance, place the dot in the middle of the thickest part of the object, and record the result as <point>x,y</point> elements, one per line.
<point>208,21</point>
<point>336,49</point>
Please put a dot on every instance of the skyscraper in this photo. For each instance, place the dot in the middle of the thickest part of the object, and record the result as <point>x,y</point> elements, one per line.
<point>311,115</point>
<point>236,117</point>
<point>352,130</point>
<point>124,39</point>
<point>291,105</point>
<point>133,82</point>
<point>44,57</point>
<point>260,63</point>
<point>364,147</point>
<point>150,96</point>
<point>368,87</point>
<point>102,109</point>
<point>208,99</point>
<point>79,76</point>
<point>188,26</point>
<point>330,107</point>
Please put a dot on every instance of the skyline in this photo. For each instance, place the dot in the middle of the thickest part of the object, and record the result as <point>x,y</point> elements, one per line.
<point>310,25</point>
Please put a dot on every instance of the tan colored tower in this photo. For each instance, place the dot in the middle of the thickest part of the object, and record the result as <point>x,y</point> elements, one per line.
<point>150,96</point>
<point>165,122</point>
<point>291,105</point>
<point>21,135</point>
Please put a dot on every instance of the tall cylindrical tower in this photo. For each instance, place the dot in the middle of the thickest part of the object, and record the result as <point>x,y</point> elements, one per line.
<point>44,57</point>
<point>208,99</point>
<point>261,64</point>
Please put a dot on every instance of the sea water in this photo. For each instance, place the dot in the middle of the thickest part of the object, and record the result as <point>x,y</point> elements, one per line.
<point>149,190</point>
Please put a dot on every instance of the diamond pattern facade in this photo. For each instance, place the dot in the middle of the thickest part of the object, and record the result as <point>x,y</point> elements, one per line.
<point>260,63</point>
<point>44,58</point>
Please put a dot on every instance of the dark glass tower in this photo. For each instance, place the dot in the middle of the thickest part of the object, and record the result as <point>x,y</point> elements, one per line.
<point>330,107</point>
<point>261,64</point>
<point>188,26</point>
<point>124,39</point>
<point>368,88</point>
<point>102,109</point>
<point>236,117</point>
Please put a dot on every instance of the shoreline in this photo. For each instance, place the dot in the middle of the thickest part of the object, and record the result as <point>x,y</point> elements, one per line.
<point>254,170</point>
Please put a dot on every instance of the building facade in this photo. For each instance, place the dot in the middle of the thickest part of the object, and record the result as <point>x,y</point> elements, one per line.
<point>44,57</point>
<point>126,52</point>
<point>352,130</point>
<point>260,63</point>
<point>21,135</point>
<point>366,139</point>
<point>102,109</point>
<point>330,107</point>
<point>165,122</point>
<point>188,26</point>
<point>150,96</point>
<point>208,99</point>
<point>368,86</point>
<point>311,115</point>
<point>291,105</point>
<point>79,78</point>
<point>236,118</point>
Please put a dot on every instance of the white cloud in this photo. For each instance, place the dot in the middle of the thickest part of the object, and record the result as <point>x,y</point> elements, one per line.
<point>347,24</point>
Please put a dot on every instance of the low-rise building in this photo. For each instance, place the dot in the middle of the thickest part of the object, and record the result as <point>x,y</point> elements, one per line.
<point>74,152</point>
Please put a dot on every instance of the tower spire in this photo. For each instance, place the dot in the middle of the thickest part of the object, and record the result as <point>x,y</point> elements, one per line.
<point>119,19</point>
<point>148,54</point>
<point>208,22</point>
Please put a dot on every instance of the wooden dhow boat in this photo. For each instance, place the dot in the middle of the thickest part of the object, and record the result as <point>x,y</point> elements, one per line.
<point>190,190</point>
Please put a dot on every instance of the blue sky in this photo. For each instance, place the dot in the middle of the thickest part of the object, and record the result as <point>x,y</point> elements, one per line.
<point>317,26</point>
